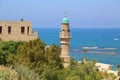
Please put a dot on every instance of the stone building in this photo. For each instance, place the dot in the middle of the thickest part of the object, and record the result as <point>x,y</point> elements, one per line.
<point>17,31</point>
<point>65,41</point>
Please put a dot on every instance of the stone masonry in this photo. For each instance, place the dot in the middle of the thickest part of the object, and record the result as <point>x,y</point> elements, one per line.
<point>17,31</point>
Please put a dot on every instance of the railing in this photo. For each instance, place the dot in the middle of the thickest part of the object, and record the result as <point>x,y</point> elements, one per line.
<point>33,33</point>
<point>64,42</point>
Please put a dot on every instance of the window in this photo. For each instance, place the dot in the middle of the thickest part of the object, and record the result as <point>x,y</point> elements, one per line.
<point>9,29</point>
<point>0,29</point>
<point>22,29</point>
<point>28,29</point>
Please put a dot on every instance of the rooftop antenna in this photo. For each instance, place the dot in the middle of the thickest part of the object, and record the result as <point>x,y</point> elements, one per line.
<point>65,13</point>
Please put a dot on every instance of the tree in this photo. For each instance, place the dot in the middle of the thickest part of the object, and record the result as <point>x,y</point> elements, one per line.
<point>33,54</point>
<point>6,48</point>
<point>80,71</point>
<point>52,55</point>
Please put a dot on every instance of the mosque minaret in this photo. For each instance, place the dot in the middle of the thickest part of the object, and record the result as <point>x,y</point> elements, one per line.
<point>65,41</point>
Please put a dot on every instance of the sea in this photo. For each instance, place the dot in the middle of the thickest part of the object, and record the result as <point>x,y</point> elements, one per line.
<point>100,44</point>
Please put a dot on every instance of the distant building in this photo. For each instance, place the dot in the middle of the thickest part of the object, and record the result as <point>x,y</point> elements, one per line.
<point>104,67</point>
<point>65,41</point>
<point>17,31</point>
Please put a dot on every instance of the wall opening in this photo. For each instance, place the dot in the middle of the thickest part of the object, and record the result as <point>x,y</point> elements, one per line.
<point>9,29</point>
<point>0,29</point>
<point>22,29</point>
<point>28,30</point>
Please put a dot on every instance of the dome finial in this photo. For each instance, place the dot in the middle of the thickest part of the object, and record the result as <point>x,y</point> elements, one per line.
<point>65,19</point>
<point>65,13</point>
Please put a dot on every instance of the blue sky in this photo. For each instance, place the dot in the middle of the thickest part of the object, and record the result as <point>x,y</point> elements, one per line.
<point>49,13</point>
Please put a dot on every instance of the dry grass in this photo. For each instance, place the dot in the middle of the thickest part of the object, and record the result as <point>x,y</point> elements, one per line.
<point>8,73</point>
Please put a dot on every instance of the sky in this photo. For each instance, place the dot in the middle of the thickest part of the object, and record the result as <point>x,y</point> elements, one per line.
<point>49,13</point>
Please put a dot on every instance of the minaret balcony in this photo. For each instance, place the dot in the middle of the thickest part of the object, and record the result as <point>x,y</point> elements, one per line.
<point>64,42</point>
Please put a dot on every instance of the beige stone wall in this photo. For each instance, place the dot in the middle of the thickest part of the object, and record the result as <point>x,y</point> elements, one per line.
<point>16,34</point>
<point>65,48</point>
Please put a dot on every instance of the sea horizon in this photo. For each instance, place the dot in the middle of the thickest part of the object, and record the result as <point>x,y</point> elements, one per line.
<point>75,27</point>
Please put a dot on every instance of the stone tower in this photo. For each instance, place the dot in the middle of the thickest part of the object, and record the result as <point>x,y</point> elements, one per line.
<point>65,41</point>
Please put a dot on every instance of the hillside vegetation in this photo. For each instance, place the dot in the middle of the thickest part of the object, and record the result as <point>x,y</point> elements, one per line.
<point>34,61</point>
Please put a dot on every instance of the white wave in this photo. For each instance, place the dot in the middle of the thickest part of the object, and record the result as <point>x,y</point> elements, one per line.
<point>76,50</point>
<point>95,47</point>
<point>98,52</point>
<point>110,48</point>
<point>116,39</point>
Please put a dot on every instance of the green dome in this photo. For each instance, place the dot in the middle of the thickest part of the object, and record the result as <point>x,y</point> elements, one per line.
<point>65,20</point>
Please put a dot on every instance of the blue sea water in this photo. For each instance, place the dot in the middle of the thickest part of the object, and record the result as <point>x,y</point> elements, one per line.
<point>103,45</point>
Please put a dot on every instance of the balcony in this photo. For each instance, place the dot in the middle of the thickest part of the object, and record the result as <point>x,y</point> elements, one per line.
<point>33,33</point>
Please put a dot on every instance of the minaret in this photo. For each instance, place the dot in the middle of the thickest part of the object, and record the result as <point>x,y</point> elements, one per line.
<point>65,41</point>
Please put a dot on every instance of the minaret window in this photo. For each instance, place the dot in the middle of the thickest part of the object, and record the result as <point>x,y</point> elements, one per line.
<point>68,30</point>
<point>9,29</point>
<point>0,29</point>
<point>22,29</point>
<point>63,30</point>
